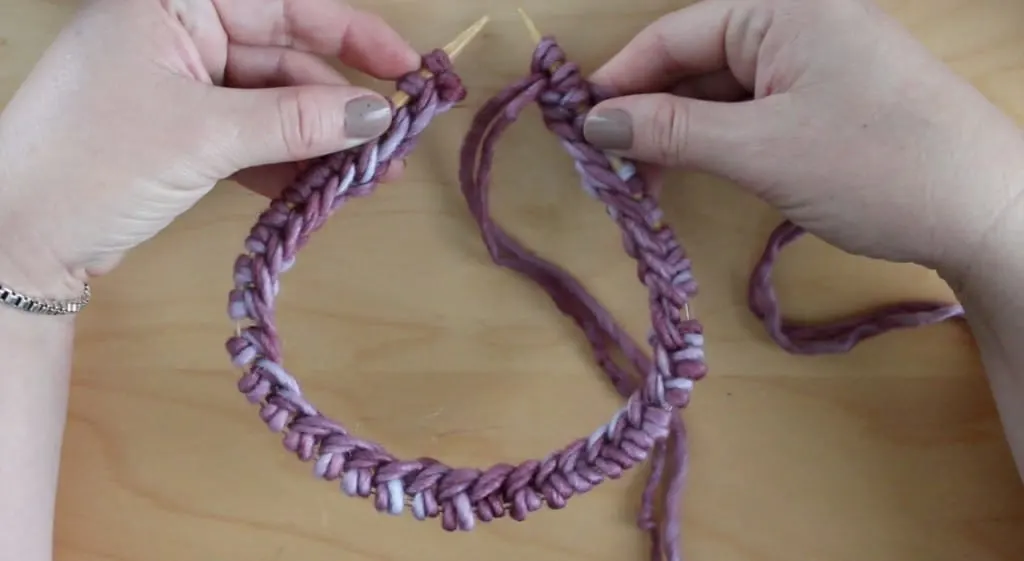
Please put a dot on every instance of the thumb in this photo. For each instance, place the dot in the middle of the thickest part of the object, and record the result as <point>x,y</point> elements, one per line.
<point>723,138</point>
<point>274,125</point>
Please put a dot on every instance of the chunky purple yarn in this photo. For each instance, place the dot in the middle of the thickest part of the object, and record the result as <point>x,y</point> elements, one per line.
<point>563,96</point>
<point>835,337</point>
<point>661,385</point>
<point>428,488</point>
<point>647,426</point>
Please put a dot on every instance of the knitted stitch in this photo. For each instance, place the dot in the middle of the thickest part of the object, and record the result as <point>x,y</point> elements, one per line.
<point>645,427</point>
<point>654,389</point>
<point>428,488</point>
<point>676,338</point>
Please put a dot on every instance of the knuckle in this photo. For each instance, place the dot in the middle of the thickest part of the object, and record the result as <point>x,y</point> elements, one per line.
<point>667,133</point>
<point>284,64</point>
<point>302,126</point>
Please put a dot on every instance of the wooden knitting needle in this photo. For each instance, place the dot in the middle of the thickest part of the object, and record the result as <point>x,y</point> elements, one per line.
<point>452,50</point>
<point>617,164</point>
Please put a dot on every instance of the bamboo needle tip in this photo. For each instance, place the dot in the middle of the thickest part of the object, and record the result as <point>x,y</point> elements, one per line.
<point>463,39</point>
<point>531,27</point>
<point>617,164</point>
<point>452,49</point>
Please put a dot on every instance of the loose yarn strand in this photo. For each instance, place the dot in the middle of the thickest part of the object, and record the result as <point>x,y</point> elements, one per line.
<point>835,337</point>
<point>562,96</point>
<point>655,385</point>
<point>458,497</point>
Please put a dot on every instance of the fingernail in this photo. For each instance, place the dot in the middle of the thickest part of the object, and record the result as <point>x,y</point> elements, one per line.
<point>367,117</point>
<point>611,129</point>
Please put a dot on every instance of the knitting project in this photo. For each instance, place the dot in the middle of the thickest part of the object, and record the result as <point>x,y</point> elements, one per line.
<point>646,427</point>
<point>641,428</point>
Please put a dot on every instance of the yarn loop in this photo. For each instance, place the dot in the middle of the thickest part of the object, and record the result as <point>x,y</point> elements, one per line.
<point>458,497</point>
<point>835,337</point>
<point>654,389</point>
<point>655,385</point>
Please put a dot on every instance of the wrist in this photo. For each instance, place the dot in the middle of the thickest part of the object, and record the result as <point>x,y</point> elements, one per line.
<point>28,263</point>
<point>26,333</point>
<point>988,287</point>
<point>29,269</point>
<point>983,222</point>
<point>990,261</point>
<point>988,276</point>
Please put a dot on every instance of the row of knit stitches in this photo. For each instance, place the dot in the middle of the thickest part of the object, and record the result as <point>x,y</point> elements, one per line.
<point>634,431</point>
<point>273,244</point>
<point>676,341</point>
<point>463,496</point>
<point>284,227</point>
<point>662,265</point>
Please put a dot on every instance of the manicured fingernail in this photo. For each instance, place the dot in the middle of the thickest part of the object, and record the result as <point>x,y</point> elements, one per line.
<point>610,129</point>
<point>367,117</point>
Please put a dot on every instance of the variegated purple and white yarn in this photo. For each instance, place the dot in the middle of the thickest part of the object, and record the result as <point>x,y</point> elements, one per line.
<point>657,387</point>
<point>676,339</point>
<point>427,488</point>
<point>646,427</point>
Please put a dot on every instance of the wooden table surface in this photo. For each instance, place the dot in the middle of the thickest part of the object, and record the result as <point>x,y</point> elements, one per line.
<point>411,336</point>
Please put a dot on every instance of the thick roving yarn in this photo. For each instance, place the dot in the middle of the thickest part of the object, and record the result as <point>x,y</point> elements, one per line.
<point>655,386</point>
<point>427,488</point>
<point>664,383</point>
<point>835,337</point>
<point>459,497</point>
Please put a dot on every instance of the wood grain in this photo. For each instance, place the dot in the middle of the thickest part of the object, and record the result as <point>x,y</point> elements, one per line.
<point>397,323</point>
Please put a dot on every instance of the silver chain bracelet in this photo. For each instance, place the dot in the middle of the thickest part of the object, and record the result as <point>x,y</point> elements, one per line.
<point>25,303</point>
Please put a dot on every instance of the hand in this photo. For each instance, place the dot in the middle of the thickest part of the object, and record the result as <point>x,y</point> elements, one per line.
<point>827,110</point>
<point>139,108</point>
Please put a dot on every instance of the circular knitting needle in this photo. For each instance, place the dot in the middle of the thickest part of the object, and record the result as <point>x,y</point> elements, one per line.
<point>618,165</point>
<point>400,98</point>
<point>452,50</point>
<point>624,169</point>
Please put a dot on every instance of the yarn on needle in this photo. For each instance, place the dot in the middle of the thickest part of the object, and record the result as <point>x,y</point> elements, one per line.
<point>656,385</point>
<point>459,497</point>
<point>661,385</point>
<point>676,338</point>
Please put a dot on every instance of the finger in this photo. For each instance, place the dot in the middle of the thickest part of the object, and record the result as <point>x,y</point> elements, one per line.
<point>702,38</point>
<point>716,86</point>
<point>269,67</point>
<point>260,67</point>
<point>272,179</point>
<point>654,178</point>
<point>268,180</point>
<point>265,126</point>
<point>732,140</point>
<point>360,39</point>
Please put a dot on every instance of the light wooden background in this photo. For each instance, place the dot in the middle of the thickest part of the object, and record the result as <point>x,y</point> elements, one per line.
<point>396,322</point>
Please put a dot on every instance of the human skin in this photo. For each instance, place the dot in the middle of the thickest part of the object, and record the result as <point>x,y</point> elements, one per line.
<point>132,115</point>
<point>147,104</point>
<point>831,112</point>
